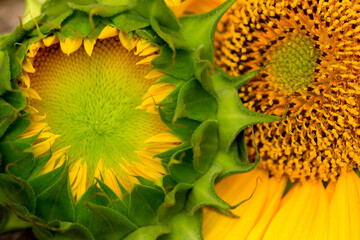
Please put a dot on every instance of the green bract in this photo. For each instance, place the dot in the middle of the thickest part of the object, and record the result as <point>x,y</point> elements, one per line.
<point>204,111</point>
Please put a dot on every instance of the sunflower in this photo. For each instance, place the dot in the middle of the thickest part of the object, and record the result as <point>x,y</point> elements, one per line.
<point>87,117</point>
<point>94,103</point>
<point>306,186</point>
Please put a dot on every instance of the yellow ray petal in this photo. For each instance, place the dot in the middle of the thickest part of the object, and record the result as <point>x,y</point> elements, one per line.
<point>89,45</point>
<point>111,182</point>
<point>99,169</point>
<point>344,222</point>
<point>50,40</point>
<point>107,32</point>
<point>244,185</point>
<point>298,213</point>
<point>50,165</point>
<point>128,42</point>
<point>276,190</point>
<point>43,147</point>
<point>28,65</point>
<point>33,49</point>
<point>26,79</point>
<point>149,50</point>
<point>147,60</point>
<point>30,93</point>
<point>163,138</point>
<point>155,73</point>
<point>70,45</point>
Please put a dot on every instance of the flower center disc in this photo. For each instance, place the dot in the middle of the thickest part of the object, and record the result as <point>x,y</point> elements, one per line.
<point>293,62</point>
<point>91,102</point>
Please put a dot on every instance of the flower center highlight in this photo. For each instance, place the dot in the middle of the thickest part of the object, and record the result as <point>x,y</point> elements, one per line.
<point>91,103</point>
<point>293,63</point>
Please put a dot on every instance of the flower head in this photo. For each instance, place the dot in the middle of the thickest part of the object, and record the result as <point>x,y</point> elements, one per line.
<point>309,51</point>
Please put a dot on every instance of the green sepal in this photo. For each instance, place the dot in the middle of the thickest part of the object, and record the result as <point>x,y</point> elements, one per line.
<point>39,164</point>
<point>17,156</point>
<point>185,226</point>
<point>182,127</point>
<point>9,221</point>
<point>16,99</point>
<point>198,30</point>
<point>158,10</point>
<point>148,233</point>
<point>232,164</point>
<point>180,67</point>
<point>205,145</point>
<point>78,25</point>
<point>5,75</point>
<point>100,10</point>
<point>129,21</point>
<point>14,190</point>
<point>64,231</point>
<point>203,192</point>
<point>144,204</point>
<point>19,126</point>
<point>7,115</point>
<point>32,9</point>
<point>56,202</point>
<point>174,202</point>
<point>181,166</point>
<point>195,103</point>
<point>114,201</point>
<point>232,115</point>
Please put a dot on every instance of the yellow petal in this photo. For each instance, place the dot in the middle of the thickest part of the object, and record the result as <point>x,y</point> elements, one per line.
<point>34,48</point>
<point>89,45</point>
<point>28,66</point>
<point>30,93</point>
<point>50,165</point>
<point>107,32</point>
<point>44,146</point>
<point>110,180</point>
<point>26,79</point>
<point>70,45</point>
<point>147,60</point>
<point>163,138</point>
<point>344,208</point>
<point>155,73</point>
<point>50,40</point>
<point>128,42</point>
<point>299,213</point>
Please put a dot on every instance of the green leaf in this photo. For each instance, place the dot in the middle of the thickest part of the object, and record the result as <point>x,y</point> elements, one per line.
<point>205,145</point>
<point>185,226</point>
<point>148,233</point>
<point>57,202</point>
<point>5,75</point>
<point>198,30</point>
<point>195,103</point>
<point>203,192</point>
<point>130,21</point>
<point>144,205</point>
